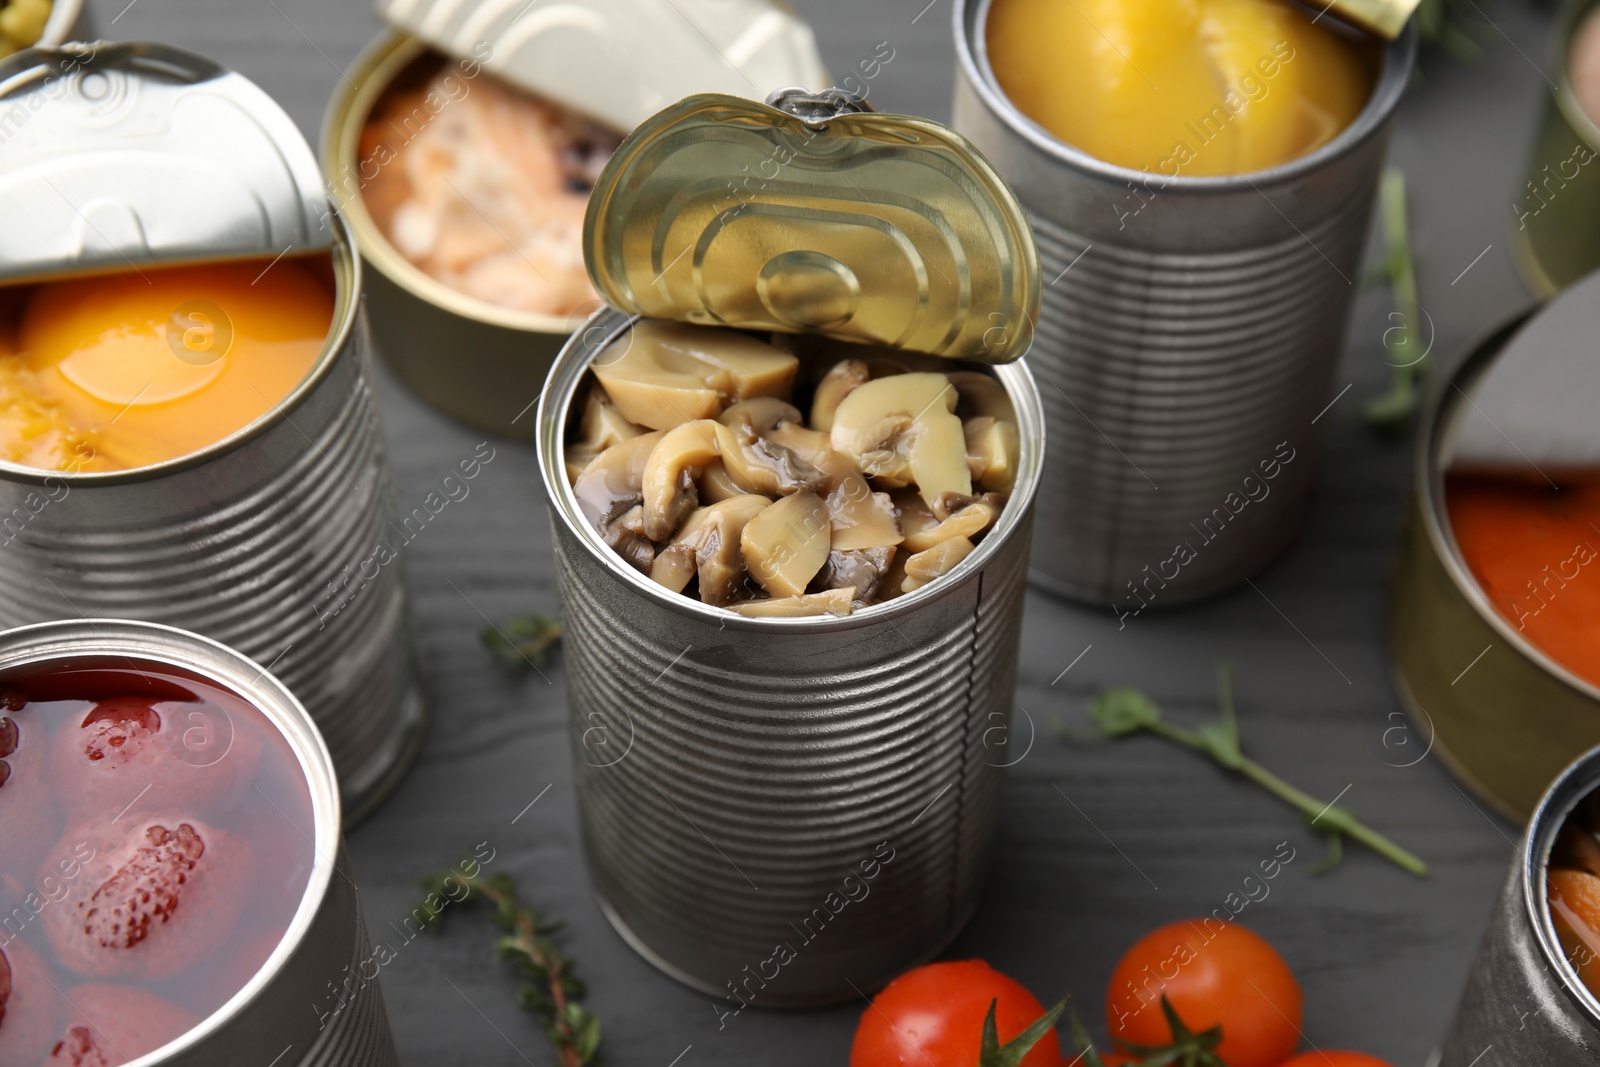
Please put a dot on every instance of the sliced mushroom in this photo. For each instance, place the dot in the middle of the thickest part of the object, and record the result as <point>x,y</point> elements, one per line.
<point>601,427</point>
<point>830,602</point>
<point>947,504</point>
<point>669,373</point>
<point>962,517</point>
<point>762,413</point>
<point>758,464</point>
<point>935,562</point>
<point>626,535</point>
<point>668,486</point>
<point>902,430</point>
<point>716,485</point>
<point>982,397</point>
<point>992,451</point>
<point>708,546</point>
<point>861,518</point>
<point>840,381</point>
<point>858,569</point>
<point>613,481</point>
<point>787,543</point>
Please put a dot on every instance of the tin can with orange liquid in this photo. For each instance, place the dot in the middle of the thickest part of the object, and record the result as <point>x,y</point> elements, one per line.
<point>122,155</point>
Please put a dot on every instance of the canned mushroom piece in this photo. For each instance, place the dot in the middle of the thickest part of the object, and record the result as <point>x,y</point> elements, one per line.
<point>845,322</point>
<point>187,430</point>
<point>152,779</point>
<point>463,146</point>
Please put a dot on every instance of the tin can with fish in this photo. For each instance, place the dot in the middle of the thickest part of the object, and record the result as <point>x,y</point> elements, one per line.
<point>1525,1001</point>
<point>462,146</point>
<point>127,490</point>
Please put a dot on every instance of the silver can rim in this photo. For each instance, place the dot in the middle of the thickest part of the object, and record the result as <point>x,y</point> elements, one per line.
<point>1568,20</point>
<point>347,276</point>
<point>972,55</point>
<point>566,373</point>
<point>41,643</point>
<point>1429,481</point>
<point>1581,778</point>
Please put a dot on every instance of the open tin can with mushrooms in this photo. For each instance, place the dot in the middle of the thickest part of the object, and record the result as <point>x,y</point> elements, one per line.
<point>791,479</point>
<point>463,143</point>
<point>1533,995</point>
<point>188,433</point>
<point>173,884</point>
<point>1492,622</point>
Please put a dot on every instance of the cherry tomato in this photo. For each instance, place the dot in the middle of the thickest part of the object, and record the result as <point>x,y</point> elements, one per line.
<point>1213,974</point>
<point>1330,1058</point>
<point>933,1017</point>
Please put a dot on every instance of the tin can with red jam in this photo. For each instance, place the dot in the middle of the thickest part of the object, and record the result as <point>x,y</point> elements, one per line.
<point>188,432</point>
<point>1494,614</point>
<point>173,886</point>
<point>1533,995</point>
<point>463,143</point>
<point>791,479</point>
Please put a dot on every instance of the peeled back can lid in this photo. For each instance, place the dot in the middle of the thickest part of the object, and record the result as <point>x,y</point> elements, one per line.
<point>814,214</point>
<point>620,61</point>
<point>123,155</point>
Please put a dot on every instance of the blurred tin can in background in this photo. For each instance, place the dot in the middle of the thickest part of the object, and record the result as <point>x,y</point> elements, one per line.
<point>269,539</point>
<point>326,940</point>
<point>1502,713</point>
<point>1555,224</point>
<point>1524,1003</point>
<point>1182,352</point>
<point>603,66</point>
<point>784,811</point>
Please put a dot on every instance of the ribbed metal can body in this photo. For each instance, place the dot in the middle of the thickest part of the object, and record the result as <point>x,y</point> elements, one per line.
<point>268,541</point>
<point>1555,214</point>
<point>1523,1004</point>
<point>313,1003</point>
<point>1187,341</point>
<point>780,815</point>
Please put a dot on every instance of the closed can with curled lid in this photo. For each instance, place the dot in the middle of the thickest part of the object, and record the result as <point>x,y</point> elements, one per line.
<point>791,475</point>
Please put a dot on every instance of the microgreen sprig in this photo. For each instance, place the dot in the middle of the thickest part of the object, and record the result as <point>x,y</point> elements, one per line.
<point>1121,712</point>
<point>549,988</point>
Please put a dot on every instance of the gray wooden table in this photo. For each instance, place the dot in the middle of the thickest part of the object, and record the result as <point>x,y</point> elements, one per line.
<point>1151,834</point>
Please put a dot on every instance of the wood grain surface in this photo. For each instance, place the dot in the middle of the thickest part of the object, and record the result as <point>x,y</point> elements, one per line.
<point>1149,834</point>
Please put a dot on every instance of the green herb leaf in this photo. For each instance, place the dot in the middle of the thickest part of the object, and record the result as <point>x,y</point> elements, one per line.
<point>529,641</point>
<point>1117,712</point>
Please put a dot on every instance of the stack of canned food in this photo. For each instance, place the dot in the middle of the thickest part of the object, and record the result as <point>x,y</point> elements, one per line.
<point>792,458</point>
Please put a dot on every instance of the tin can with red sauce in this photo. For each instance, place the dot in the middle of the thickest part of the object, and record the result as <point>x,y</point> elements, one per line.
<point>127,157</point>
<point>1502,713</point>
<point>293,984</point>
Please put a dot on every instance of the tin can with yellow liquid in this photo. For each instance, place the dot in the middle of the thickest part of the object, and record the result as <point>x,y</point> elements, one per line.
<point>144,156</point>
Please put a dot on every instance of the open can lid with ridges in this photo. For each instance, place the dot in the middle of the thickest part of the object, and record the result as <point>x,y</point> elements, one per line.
<point>620,61</point>
<point>814,214</point>
<point>117,156</point>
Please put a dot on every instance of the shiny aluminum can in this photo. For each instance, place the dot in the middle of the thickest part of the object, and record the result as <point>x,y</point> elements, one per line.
<point>280,1012</point>
<point>1523,1003</point>
<point>269,540</point>
<point>1555,213</point>
<point>774,809</point>
<point>1178,350</point>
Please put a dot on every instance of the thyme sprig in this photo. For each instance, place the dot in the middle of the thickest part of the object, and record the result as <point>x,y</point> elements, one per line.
<point>1390,412</point>
<point>1121,712</point>
<point>527,639</point>
<point>549,989</point>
